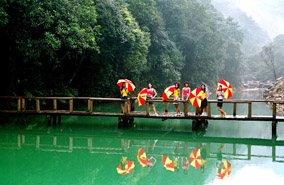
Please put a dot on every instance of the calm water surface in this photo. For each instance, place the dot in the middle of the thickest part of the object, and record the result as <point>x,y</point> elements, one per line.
<point>87,150</point>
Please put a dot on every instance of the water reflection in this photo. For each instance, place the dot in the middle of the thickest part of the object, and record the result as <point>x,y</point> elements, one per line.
<point>168,163</point>
<point>185,164</point>
<point>125,166</point>
<point>144,160</point>
<point>182,152</point>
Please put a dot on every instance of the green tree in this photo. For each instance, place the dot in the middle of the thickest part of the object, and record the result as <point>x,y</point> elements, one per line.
<point>47,43</point>
<point>232,37</point>
<point>268,56</point>
<point>165,60</point>
<point>196,35</point>
<point>123,50</point>
<point>4,18</point>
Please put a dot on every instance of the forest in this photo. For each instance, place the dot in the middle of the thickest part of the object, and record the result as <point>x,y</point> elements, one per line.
<point>81,48</point>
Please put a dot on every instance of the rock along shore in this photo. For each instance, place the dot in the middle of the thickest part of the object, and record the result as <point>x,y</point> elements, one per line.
<point>276,92</point>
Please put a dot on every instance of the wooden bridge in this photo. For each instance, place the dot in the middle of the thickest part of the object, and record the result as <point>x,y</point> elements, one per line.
<point>57,106</point>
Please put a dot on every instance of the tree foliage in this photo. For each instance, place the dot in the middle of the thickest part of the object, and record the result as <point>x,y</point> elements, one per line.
<point>47,41</point>
<point>268,61</point>
<point>56,47</point>
<point>165,60</point>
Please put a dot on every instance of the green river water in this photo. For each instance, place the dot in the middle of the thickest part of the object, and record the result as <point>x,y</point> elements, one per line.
<point>87,150</point>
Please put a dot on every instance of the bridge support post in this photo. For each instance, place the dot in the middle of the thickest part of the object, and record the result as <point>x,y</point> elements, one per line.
<point>132,109</point>
<point>274,139</point>
<point>123,122</point>
<point>49,120</point>
<point>59,119</point>
<point>131,121</point>
<point>197,123</point>
<point>54,120</point>
<point>274,128</point>
<point>120,122</point>
<point>194,125</point>
<point>274,153</point>
<point>249,152</point>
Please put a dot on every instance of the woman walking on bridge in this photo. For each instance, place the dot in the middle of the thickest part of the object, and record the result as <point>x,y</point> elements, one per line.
<point>124,96</point>
<point>150,96</point>
<point>220,96</point>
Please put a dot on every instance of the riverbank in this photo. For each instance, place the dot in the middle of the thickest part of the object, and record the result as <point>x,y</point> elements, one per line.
<point>276,92</point>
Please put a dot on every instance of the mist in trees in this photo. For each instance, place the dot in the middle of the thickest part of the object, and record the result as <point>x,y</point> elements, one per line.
<point>262,50</point>
<point>268,64</point>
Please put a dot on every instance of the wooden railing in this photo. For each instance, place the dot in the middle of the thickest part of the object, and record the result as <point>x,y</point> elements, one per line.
<point>21,105</point>
<point>234,102</point>
<point>21,102</point>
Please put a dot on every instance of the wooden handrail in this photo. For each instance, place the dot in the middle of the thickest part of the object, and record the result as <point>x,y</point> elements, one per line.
<point>62,98</point>
<point>22,101</point>
<point>156,99</point>
<point>215,101</point>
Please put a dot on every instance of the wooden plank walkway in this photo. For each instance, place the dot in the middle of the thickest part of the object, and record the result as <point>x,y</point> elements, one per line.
<point>140,114</point>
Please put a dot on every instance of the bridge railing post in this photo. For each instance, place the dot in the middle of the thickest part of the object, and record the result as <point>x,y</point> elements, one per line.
<point>249,109</point>
<point>19,105</point>
<point>132,105</point>
<point>197,111</point>
<point>209,109</point>
<point>147,109</point>
<point>235,109</point>
<point>71,105</point>
<point>185,108</point>
<point>23,104</point>
<point>166,107</point>
<point>54,104</point>
<point>37,105</point>
<point>90,106</point>
<point>125,107</point>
